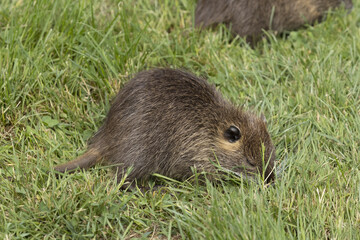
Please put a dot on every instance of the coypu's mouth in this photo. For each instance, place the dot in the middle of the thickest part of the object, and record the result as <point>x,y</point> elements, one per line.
<point>242,175</point>
<point>251,176</point>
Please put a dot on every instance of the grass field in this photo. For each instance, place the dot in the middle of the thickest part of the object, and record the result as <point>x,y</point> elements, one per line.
<point>62,61</point>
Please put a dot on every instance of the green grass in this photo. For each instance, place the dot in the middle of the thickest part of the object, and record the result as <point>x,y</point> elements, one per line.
<point>62,61</point>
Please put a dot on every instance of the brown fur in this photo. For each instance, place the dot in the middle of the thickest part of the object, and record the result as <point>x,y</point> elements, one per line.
<point>167,121</point>
<point>248,18</point>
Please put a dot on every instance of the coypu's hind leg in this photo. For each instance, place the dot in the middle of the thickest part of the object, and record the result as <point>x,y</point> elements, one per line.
<point>87,160</point>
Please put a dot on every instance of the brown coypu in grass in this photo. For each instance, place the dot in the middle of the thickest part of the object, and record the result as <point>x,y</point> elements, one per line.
<point>249,18</point>
<point>167,121</point>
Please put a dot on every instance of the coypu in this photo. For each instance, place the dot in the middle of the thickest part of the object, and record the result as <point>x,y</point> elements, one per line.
<point>167,121</point>
<point>249,18</point>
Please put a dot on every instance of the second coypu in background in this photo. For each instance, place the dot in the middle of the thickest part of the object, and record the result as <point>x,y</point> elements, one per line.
<point>168,121</point>
<point>249,18</point>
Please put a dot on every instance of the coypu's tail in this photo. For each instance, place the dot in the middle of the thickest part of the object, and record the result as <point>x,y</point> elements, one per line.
<point>87,160</point>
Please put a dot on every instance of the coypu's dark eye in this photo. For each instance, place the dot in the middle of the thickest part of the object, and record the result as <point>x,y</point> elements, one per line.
<point>232,134</point>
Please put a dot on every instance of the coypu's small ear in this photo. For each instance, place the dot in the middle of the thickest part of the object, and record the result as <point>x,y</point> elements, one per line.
<point>263,118</point>
<point>232,134</point>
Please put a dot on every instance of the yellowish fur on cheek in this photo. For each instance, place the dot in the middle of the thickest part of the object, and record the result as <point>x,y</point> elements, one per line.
<point>228,146</point>
<point>309,7</point>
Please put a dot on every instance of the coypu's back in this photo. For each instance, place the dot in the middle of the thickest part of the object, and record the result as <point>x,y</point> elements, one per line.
<point>167,121</point>
<point>249,18</point>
